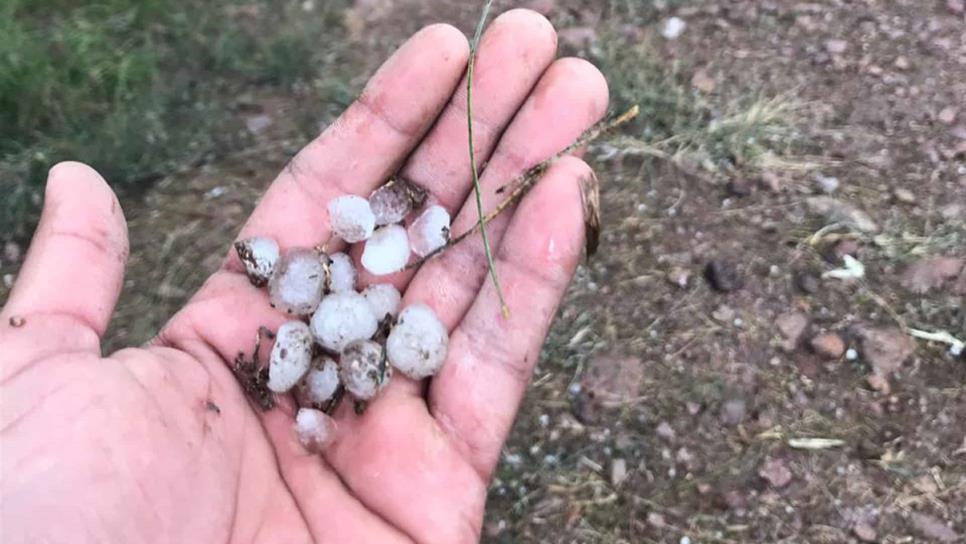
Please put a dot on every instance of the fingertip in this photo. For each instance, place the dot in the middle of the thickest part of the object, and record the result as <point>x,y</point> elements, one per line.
<point>445,38</point>
<point>66,175</point>
<point>591,78</point>
<point>76,183</point>
<point>528,22</point>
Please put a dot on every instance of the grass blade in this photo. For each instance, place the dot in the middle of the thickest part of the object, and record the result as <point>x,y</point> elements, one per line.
<point>476,176</point>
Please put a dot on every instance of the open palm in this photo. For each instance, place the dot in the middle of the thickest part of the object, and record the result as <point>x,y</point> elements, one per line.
<point>159,443</point>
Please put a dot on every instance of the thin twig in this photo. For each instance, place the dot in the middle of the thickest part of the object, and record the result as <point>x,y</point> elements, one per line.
<point>522,183</point>
<point>477,190</point>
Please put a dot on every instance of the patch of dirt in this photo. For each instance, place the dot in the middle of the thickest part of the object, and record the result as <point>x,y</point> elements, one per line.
<point>719,379</point>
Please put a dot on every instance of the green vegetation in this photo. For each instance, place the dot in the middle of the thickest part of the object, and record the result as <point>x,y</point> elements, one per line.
<point>680,123</point>
<point>139,87</point>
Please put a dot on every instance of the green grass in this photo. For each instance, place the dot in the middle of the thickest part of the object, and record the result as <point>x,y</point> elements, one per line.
<point>139,87</point>
<point>717,133</point>
<point>679,123</point>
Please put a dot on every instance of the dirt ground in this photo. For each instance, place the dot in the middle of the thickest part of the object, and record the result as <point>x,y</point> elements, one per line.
<point>706,342</point>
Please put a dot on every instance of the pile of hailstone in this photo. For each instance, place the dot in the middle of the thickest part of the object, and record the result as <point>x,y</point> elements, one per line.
<point>341,339</point>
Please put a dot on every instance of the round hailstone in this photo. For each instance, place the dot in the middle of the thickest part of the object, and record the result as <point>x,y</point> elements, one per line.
<point>417,343</point>
<point>299,280</point>
<point>430,231</point>
<point>342,273</point>
<point>342,318</point>
<point>390,203</point>
<point>383,299</point>
<point>259,255</point>
<point>319,383</point>
<point>291,356</point>
<point>387,251</point>
<point>314,428</point>
<point>351,218</point>
<point>363,370</point>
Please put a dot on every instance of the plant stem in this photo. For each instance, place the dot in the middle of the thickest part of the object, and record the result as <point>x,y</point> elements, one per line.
<point>522,183</point>
<point>476,176</point>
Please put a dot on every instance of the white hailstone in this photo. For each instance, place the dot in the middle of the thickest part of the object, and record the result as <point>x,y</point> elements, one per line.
<point>351,218</point>
<point>342,273</point>
<point>291,356</point>
<point>430,231</point>
<point>259,255</point>
<point>417,343</point>
<point>298,282</point>
<point>314,428</point>
<point>319,383</point>
<point>383,299</point>
<point>363,370</point>
<point>387,251</point>
<point>342,318</point>
<point>390,203</point>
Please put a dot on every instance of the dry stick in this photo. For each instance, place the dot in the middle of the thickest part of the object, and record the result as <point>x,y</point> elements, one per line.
<point>476,176</point>
<point>522,183</point>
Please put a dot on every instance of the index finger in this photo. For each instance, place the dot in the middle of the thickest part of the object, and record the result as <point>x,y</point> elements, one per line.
<point>366,145</point>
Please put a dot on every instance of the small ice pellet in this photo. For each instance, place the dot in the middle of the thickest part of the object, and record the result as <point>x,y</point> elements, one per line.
<point>299,280</point>
<point>291,356</point>
<point>417,343</point>
<point>383,298</point>
<point>390,203</point>
<point>319,383</point>
<point>342,273</point>
<point>351,218</point>
<point>259,255</point>
<point>363,370</point>
<point>314,428</point>
<point>342,318</point>
<point>387,251</point>
<point>430,231</point>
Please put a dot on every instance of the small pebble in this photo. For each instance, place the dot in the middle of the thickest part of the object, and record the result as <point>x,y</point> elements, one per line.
<point>828,345</point>
<point>418,342</point>
<point>383,299</point>
<point>363,369</point>
<point>904,195</point>
<point>351,218</point>
<point>342,273</point>
<point>827,184</point>
<point>673,27</point>
<point>724,276</point>
<point>319,383</point>
<point>618,471</point>
<point>836,47</point>
<point>313,428</point>
<point>342,318</point>
<point>430,231</point>
<point>259,255</point>
<point>291,356</point>
<point>387,251</point>
<point>299,280</point>
<point>851,354</point>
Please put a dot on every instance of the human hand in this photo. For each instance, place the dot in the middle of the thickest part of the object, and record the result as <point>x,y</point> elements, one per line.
<point>159,443</point>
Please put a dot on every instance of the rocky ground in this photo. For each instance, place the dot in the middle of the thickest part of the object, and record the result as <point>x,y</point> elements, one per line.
<point>736,364</point>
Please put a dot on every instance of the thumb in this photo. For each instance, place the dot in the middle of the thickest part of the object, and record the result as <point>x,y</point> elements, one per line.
<point>68,285</point>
